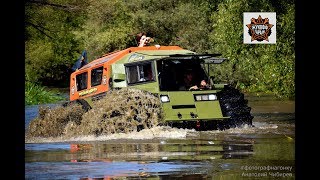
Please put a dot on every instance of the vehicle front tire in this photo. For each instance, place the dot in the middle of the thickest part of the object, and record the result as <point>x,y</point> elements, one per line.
<point>234,105</point>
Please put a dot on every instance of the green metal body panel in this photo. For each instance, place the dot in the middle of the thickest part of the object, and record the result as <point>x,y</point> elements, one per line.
<point>118,75</point>
<point>186,105</point>
<point>152,87</point>
<point>184,100</point>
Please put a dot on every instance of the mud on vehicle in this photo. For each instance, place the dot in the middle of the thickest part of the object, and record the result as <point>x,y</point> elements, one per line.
<point>160,70</point>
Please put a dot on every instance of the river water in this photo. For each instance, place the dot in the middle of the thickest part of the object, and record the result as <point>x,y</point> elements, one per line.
<point>265,151</point>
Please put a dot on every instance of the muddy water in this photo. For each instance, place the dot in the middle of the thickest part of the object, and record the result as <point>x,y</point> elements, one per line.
<point>265,151</point>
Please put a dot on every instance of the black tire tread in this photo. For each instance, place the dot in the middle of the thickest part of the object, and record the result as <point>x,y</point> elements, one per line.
<point>234,105</point>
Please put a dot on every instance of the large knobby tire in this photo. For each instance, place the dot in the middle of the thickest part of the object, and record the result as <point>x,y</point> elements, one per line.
<point>234,105</point>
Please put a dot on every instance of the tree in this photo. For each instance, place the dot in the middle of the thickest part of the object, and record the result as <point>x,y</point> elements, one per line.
<point>51,46</point>
<point>258,67</point>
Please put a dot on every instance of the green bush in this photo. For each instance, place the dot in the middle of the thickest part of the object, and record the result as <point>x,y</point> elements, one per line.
<point>35,94</point>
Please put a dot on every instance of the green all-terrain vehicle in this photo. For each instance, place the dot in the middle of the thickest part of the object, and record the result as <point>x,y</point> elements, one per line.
<point>161,70</point>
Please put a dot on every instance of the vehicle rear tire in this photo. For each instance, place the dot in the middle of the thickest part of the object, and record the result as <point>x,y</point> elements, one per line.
<point>234,105</point>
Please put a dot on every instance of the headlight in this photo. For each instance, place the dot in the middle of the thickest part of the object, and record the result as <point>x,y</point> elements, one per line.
<point>197,98</point>
<point>164,98</point>
<point>205,97</point>
<point>212,97</point>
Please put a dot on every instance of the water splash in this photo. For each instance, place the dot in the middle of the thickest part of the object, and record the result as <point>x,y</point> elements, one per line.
<point>158,132</point>
<point>120,111</point>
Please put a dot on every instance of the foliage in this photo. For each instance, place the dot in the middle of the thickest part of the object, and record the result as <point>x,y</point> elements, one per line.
<point>35,94</point>
<point>113,25</point>
<point>51,45</point>
<point>259,67</point>
<point>57,31</point>
<point>181,23</point>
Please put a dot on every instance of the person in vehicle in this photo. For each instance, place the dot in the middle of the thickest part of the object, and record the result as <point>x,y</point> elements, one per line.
<point>82,61</point>
<point>204,85</point>
<point>190,82</point>
<point>143,40</point>
<point>149,75</point>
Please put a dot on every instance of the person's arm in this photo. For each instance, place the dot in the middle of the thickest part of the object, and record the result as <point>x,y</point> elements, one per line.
<point>203,85</point>
<point>195,87</point>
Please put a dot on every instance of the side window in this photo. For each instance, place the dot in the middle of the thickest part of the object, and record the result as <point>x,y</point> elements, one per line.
<point>140,73</point>
<point>96,76</point>
<point>132,74</point>
<point>82,81</point>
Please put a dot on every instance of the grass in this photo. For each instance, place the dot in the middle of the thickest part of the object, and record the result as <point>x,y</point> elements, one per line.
<point>36,94</point>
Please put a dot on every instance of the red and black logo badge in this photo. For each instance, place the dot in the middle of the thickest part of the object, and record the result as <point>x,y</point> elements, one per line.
<point>259,29</point>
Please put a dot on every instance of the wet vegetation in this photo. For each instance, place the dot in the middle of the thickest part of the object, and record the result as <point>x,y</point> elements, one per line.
<point>36,94</point>
<point>120,111</point>
<point>57,31</point>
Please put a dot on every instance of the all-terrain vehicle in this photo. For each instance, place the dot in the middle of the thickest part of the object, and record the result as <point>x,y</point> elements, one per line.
<point>160,70</point>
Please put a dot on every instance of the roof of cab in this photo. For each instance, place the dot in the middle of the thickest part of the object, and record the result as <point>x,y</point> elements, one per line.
<point>133,54</point>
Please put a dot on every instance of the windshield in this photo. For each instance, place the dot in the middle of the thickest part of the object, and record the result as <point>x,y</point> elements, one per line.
<point>180,75</point>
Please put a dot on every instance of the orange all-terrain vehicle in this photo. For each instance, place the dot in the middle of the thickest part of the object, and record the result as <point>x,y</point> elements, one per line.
<point>161,71</point>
